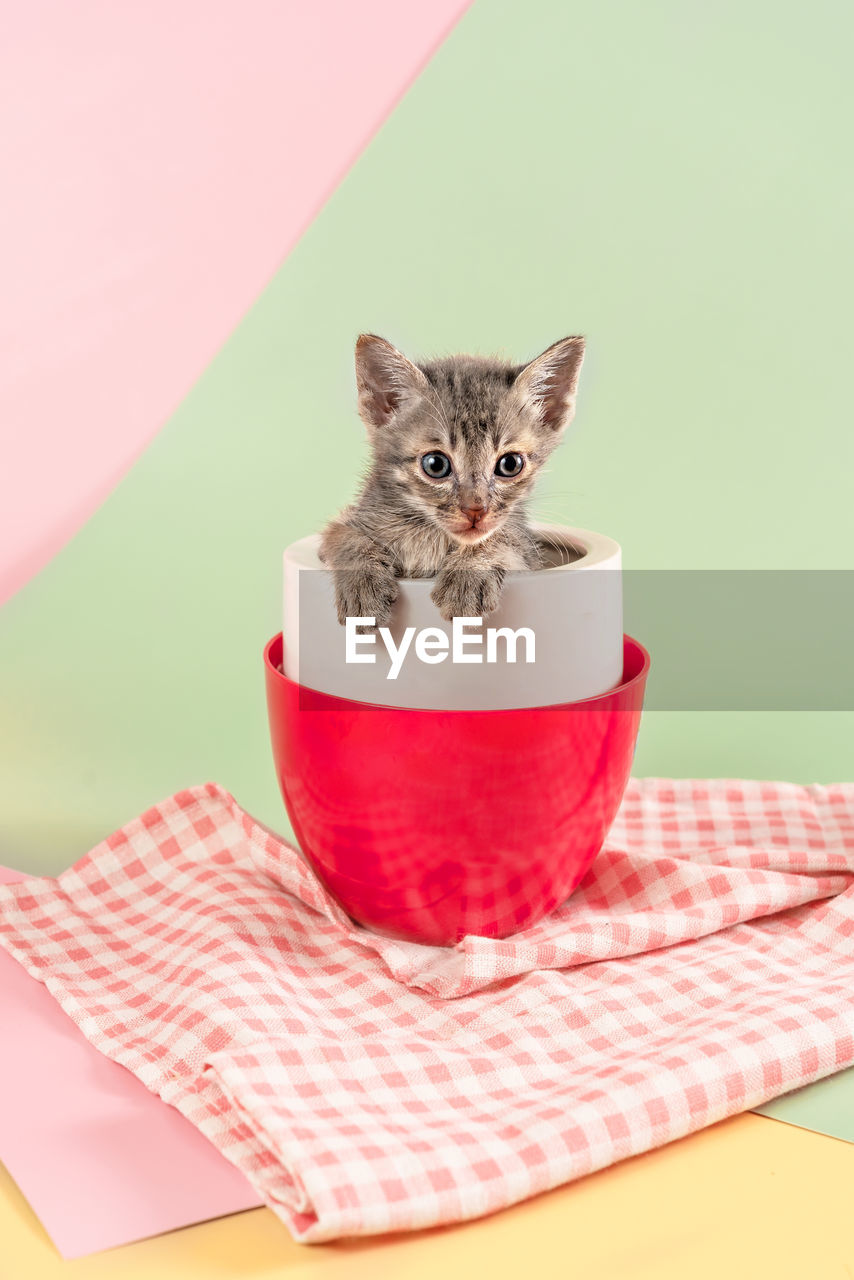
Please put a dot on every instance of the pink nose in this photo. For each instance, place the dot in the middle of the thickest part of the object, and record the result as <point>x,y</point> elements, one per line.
<point>475,514</point>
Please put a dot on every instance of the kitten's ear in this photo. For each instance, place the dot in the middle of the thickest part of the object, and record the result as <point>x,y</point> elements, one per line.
<point>384,378</point>
<point>549,383</point>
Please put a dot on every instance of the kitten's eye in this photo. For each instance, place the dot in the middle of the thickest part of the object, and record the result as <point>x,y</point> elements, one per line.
<point>436,465</point>
<point>509,464</point>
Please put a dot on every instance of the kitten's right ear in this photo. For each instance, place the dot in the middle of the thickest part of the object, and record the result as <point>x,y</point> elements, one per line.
<point>384,378</point>
<point>549,383</point>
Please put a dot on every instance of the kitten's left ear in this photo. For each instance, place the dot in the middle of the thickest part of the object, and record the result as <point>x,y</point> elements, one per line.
<point>549,383</point>
<point>384,379</point>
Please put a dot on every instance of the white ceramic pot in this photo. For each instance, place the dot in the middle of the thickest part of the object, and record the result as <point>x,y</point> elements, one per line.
<point>572,611</point>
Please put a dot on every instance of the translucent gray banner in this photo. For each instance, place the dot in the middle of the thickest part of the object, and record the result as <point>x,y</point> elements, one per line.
<point>743,639</point>
<point>720,640</point>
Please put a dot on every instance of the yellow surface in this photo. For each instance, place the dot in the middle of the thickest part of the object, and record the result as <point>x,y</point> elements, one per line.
<point>750,1197</point>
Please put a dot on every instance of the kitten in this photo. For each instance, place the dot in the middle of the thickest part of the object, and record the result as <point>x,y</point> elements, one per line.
<point>457,444</point>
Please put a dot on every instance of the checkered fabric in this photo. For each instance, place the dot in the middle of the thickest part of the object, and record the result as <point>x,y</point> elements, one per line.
<point>705,965</point>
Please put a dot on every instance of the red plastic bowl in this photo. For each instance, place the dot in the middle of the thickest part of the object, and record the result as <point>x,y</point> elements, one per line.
<point>429,825</point>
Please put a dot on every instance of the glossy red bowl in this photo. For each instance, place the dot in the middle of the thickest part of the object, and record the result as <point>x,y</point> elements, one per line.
<point>429,825</point>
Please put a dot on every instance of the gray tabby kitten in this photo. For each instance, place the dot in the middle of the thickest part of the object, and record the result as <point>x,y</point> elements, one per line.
<point>457,444</point>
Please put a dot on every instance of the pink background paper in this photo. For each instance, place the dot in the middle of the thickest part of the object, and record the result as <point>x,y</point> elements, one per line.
<point>160,160</point>
<point>100,1159</point>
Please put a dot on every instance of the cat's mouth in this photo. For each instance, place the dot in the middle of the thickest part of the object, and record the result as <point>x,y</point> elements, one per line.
<point>471,533</point>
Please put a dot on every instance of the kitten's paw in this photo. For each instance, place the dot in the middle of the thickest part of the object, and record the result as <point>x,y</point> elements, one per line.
<point>467,593</point>
<point>363,594</point>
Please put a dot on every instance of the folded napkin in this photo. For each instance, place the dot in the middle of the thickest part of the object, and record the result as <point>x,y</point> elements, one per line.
<point>705,965</point>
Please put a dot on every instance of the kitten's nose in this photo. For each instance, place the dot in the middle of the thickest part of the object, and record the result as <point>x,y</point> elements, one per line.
<point>474,513</point>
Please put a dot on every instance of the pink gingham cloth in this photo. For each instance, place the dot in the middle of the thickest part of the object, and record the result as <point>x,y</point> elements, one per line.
<point>363,1085</point>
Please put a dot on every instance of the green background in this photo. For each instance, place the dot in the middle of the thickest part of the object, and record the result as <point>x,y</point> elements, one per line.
<point>669,179</point>
<point>826,1107</point>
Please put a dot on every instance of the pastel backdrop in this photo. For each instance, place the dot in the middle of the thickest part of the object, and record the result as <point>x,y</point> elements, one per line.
<point>664,179</point>
<point>163,159</point>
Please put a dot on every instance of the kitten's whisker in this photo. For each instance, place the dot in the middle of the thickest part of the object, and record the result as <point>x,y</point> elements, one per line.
<point>445,419</point>
<point>564,493</point>
<point>439,422</point>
